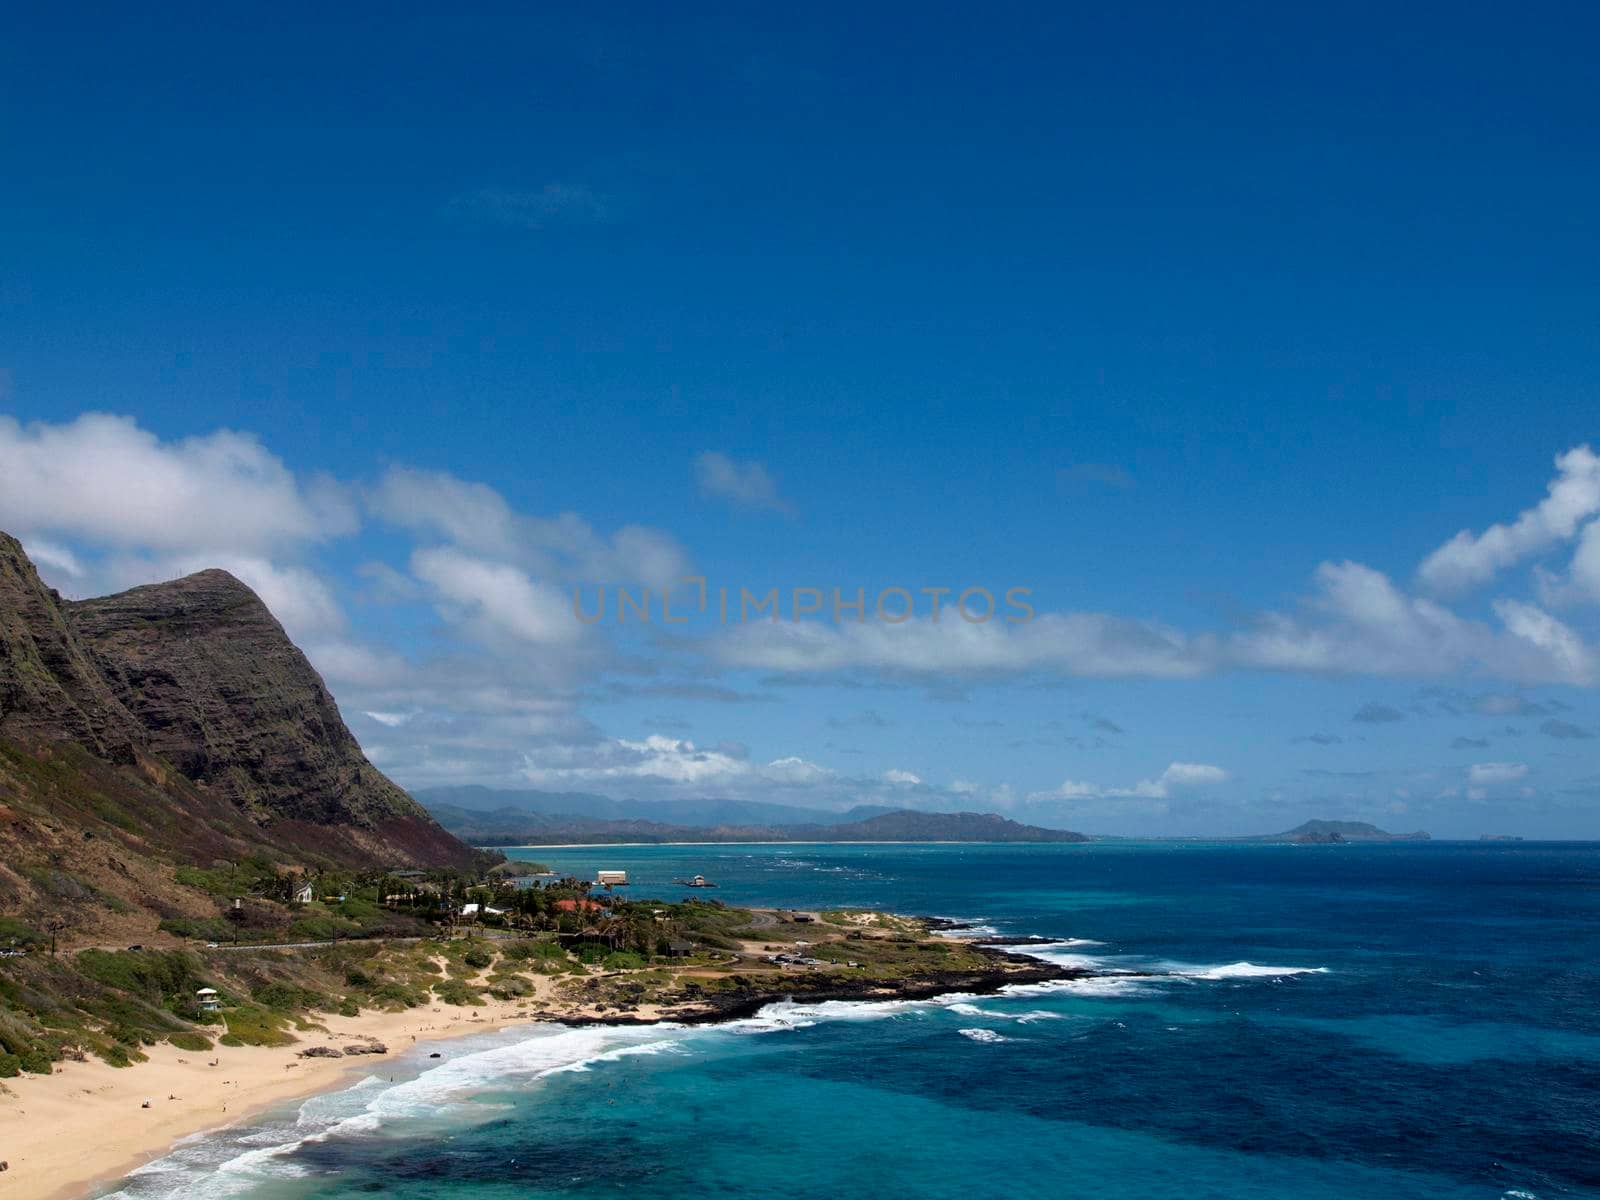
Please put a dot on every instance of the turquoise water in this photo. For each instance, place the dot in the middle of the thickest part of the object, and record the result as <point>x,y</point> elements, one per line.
<point>1344,1021</point>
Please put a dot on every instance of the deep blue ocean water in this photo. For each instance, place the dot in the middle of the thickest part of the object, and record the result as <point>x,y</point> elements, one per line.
<point>1328,1021</point>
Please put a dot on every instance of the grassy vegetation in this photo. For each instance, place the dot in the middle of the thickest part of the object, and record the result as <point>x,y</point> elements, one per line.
<point>112,1004</point>
<point>251,1025</point>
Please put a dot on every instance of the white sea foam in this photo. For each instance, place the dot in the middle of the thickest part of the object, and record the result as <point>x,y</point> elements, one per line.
<point>983,1035</point>
<point>1021,1018</point>
<point>970,1010</point>
<point>216,1168</point>
<point>790,1014</point>
<point>1098,986</point>
<point>969,933</point>
<point>1239,970</point>
<point>1063,954</point>
<point>256,1155</point>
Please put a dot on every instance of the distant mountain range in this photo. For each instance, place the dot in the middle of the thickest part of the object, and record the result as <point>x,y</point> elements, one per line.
<point>505,818</point>
<point>590,806</point>
<point>487,816</point>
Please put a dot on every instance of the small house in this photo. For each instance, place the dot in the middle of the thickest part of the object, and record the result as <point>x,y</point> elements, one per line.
<point>678,948</point>
<point>208,1000</point>
<point>301,894</point>
<point>611,878</point>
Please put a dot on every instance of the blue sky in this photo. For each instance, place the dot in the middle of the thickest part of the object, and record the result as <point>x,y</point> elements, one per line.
<point>1210,328</point>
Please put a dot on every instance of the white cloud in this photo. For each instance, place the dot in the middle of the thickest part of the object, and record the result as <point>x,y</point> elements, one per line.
<point>1187,775</point>
<point>745,484</point>
<point>1179,776</point>
<point>391,720</point>
<point>1496,774</point>
<point>1469,559</point>
<point>903,778</point>
<point>51,557</point>
<point>104,479</point>
<point>1555,645</point>
<point>1356,622</point>
<point>1584,573</point>
<point>477,518</point>
<point>498,600</point>
<point>1092,644</point>
<point>660,759</point>
<point>1581,583</point>
<point>1485,779</point>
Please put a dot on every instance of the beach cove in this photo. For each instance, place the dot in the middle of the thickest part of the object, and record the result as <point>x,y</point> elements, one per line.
<point>90,1123</point>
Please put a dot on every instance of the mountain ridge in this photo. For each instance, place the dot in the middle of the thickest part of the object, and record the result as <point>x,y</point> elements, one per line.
<point>516,826</point>
<point>174,724</point>
<point>708,811</point>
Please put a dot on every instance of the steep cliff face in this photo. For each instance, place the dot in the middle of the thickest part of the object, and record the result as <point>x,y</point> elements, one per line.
<point>224,696</point>
<point>180,720</point>
<point>48,686</point>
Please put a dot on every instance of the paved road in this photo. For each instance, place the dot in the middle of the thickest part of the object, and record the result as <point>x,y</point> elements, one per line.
<point>485,934</point>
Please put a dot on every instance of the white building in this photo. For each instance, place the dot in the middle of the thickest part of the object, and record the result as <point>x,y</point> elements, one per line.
<point>611,878</point>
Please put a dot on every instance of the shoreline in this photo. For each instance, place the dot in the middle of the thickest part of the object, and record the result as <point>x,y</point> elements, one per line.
<point>760,842</point>
<point>79,1130</point>
<point>73,1133</point>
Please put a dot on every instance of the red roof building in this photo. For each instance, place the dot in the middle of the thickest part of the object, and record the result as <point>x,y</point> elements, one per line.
<point>578,906</point>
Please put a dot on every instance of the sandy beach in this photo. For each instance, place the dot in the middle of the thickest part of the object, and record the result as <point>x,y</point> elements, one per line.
<point>67,1134</point>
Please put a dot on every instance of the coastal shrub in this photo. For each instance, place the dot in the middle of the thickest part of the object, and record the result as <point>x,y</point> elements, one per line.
<point>623,960</point>
<point>210,929</point>
<point>524,951</point>
<point>478,957</point>
<point>197,1042</point>
<point>509,987</point>
<point>287,997</point>
<point>20,934</point>
<point>316,928</point>
<point>391,994</point>
<point>252,1026</point>
<point>251,875</point>
<point>153,975</point>
<point>453,991</point>
<point>117,1055</point>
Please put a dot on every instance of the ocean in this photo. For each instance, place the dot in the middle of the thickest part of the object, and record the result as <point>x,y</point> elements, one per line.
<point>1413,1020</point>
